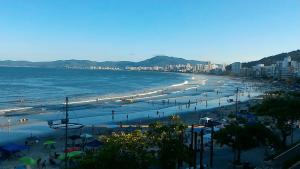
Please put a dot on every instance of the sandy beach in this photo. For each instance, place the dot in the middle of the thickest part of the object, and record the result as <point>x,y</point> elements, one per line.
<point>201,97</point>
<point>38,150</point>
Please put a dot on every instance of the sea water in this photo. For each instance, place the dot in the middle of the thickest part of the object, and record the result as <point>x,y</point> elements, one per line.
<point>102,97</point>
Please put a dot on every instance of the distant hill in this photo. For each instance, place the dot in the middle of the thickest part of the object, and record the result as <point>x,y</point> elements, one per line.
<point>295,55</point>
<point>167,60</point>
<point>155,61</point>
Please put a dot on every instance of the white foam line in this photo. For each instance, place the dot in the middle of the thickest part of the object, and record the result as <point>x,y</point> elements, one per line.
<point>180,84</point>
<point>150,97</point>
<point>112,98</point>
<point>14,109</point>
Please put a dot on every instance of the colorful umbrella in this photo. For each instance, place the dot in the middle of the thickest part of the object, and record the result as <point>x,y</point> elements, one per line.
<point>27,161</point>
<point>49,142</point>
<point>71,149</point>
<point>70,155</point>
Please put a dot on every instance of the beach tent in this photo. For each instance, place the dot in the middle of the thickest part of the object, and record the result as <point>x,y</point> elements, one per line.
<point>86,136</point>
<point>13,148</point>
<point>27,161</point>
<point>94,143</point>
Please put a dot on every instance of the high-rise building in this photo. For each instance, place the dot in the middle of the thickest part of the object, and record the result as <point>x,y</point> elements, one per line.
<point>236,67</point>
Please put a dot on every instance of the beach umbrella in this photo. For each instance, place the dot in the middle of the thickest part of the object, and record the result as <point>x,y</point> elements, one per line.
<point>12,148</point>
<point>27,161</point>
<point>49,142</point>
<point>85,136</point>
<point>70,155</point>
<point>74,154</point>
<point>71,149</point>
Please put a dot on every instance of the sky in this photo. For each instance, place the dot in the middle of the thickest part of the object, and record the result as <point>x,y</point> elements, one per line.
<point>221,31</point>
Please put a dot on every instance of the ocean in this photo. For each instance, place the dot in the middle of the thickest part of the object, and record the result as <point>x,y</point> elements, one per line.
<point>103,97</point>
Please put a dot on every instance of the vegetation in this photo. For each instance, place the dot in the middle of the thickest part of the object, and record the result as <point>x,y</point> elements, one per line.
<point>295,55</point>
<point>283,108</point>
<point>160,146</point>
<point>244,137</point>
<point>290,162</point>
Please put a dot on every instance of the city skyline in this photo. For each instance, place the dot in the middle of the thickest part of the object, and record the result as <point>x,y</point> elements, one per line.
<point>221,32</point>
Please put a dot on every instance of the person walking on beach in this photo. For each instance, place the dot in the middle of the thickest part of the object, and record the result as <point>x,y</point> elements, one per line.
<point>157,112</point>
<point>112,114</point>
<point>38,162</point>
<point>44,165</point>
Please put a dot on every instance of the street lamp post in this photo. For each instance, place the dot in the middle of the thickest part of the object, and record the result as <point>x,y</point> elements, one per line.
<point>66,125</point>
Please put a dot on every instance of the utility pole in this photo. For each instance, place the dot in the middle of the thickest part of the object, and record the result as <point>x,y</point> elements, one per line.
<point>66,143</point>
<point>195,150</point>
<point>211,146</point>
<point>236,103</point>
<point>191,145</point>
<point>201,149</point>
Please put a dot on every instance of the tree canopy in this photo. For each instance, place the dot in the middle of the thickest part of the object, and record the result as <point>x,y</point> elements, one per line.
<point>158,146</point>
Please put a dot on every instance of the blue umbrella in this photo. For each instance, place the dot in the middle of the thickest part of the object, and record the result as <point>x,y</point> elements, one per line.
<point>12,148</point>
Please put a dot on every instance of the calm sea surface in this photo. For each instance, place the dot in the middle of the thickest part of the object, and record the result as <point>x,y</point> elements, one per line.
<point>38,94</point>
<point>30,86</point>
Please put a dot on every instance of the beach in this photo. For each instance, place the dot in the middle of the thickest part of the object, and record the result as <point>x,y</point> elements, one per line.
<point>192,93</point>
<point>38,150</point>
<point>193,97</point>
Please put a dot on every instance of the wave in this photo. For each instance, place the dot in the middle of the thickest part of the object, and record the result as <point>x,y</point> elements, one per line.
<point>118,98</point>
<point>3,111</point>
<point>204,82</point>
<point>180,84</point>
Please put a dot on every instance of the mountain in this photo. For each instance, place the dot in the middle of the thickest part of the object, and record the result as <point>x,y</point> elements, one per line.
<point>167,60</point>
<point>295,55</point>
<point>155,61</point>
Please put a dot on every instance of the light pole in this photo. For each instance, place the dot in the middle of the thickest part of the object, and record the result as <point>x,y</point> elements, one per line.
<point>66,125</point>
<point>236,103</point>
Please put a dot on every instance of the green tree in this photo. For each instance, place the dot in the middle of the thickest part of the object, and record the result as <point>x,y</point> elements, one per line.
<point>159,145</point>
<point>241,138</point>
<point>121,151</point>
<point>283,108</point>
<point>167,139</point>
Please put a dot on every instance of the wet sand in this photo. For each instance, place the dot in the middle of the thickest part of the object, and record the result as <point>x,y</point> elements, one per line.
<point>38,150</point>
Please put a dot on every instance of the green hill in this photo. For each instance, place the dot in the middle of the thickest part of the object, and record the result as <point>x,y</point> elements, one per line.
<point>295,55</point>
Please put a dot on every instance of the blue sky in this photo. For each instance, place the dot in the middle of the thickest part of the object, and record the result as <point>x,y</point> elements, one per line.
<point>216,30</point>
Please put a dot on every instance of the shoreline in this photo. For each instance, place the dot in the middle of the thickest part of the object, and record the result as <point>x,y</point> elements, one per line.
<point>38,151</point>
<point>192,117</point>
<point>188,117</point>
<point>195,92</point>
